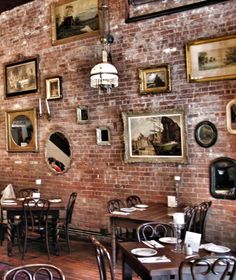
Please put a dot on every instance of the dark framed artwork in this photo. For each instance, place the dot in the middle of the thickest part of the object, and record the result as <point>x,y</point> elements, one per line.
<point>82,114</point>
<point>73,20</point>
<point>155,137</point>
<point>211,59</point>
<point>21,77</point>
<point>103,136</point>
<point>53,88</point>
<point>154,79</point>
<point>205,134</point>
<point>21,131</point>
<point>231,116</point>
<point>144,9</point>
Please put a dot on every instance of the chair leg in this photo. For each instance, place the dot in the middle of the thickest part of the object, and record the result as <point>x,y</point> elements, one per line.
<point>67,238</point>
<point>47,243</point>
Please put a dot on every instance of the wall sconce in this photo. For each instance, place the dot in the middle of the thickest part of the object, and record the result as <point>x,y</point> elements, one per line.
<point>47,108</point>
<point>104,76</point>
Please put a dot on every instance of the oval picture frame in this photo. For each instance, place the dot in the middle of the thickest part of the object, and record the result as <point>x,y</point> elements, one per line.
<point>205,134</point>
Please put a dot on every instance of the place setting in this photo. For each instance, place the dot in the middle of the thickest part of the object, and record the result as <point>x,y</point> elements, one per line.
<point>148,255</point>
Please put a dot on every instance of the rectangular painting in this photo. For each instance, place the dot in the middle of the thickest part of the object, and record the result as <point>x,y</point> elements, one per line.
<point>145,9</point>
<point>155,137</point>
<point>231,116</point>
<point>211,59</point>
<point>53,88</point>
<point>73,20</point>
<point>21,77</point>
<point>154,79</point>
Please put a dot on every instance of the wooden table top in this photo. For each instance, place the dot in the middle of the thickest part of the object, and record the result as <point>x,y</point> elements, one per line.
<point>18,205</point>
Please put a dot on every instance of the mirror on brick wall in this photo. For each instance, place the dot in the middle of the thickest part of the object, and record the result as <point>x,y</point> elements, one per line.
<point>58,153</point>
<point>223,178</point>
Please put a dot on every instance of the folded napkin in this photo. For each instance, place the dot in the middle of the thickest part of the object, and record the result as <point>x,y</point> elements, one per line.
<point>162,259</point>
<point>202,246</point>
<point>153,244</point>
<point>120,213</point>
<point>8,203</point>
<point>8,193</point>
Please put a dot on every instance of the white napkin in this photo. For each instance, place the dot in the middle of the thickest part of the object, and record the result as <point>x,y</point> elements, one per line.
<point>8,193</point>
<point>153,244</point>
<point>120,213</point>
<point>154,259</point>
<point>202,246</point>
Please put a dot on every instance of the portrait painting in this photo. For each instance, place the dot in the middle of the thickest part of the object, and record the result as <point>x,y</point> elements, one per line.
<point>155,137</point>
<point>53,88</point>
<point>74,19</point>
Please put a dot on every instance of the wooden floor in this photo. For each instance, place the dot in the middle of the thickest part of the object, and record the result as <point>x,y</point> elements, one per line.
<point>80,264</point>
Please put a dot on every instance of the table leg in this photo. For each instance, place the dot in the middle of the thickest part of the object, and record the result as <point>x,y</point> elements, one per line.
<point>9,238</point>
<point>55,235</point>
<point>113,243</point>
<point>126,270</point>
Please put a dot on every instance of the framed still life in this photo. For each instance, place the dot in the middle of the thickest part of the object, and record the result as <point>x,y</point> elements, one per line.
<point>53,88</point>
<point>73,20</point>
<point>21,77</point>
<point>155,137</point>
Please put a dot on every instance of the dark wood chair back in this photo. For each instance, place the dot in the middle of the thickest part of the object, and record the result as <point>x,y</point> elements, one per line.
<point>70,207</point>
<point>114,205</point>
<point>132,200</point>
<point>206,267</point>
<point>27,192</point>
<point>154,230</point>
<point>103,260</point>
<point>34,272</point>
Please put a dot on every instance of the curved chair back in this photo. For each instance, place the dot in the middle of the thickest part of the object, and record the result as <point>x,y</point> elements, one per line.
<point>27,192</point>
<point>114,205</point>
<point>70,207</point>
<point>34,272</point>
<point>103,260</point>
<point>132,200</point>
<point>207,267</point>
<point>154,230</point>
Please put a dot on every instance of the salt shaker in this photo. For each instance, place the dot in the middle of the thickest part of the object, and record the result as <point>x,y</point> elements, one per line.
<point>188,250</point>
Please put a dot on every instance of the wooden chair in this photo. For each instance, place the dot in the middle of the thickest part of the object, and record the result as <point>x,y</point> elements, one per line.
<point>103,260</point>
<point>114,205</point>
<point>27,192</point>
<point>207,267</point>
<point>153,230</point>
<point>34,272</point>
<point>132,200</point>
<point>35,222</point>
<point>66,221</point>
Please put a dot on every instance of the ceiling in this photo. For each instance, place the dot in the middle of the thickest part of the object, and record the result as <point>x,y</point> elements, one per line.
<point>10,4</point>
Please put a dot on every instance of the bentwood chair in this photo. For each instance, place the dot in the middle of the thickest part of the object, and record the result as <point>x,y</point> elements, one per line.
<point>34,272</point>
<point>103,260</point>
<point>66,221</point>
<point>132,200</point>
<point>114,205</point>
<point>153,230</point>
<point>208,267</point>
<point>35,223</point>
<point>27,192</point>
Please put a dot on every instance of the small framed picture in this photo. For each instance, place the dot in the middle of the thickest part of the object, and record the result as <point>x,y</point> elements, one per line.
<point>154,79</point>
<point>231,116</point>
<point>82,114</point>
<point>103,136</point>
<point>205,134</point>
<point>53,88</point>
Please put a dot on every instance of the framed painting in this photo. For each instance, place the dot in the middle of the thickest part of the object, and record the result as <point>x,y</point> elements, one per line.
<point>103,136</point>
<point>21,131</point>
<point>73,20</point>
<point>21,77</point>
<point>205,134</point>
<point>211,59</point>
<point>154,79</point>
<point>82,114</point>
<point>231,116</point>
<point>53,88</point>
<point>155,137</point>
<point>144,9</point>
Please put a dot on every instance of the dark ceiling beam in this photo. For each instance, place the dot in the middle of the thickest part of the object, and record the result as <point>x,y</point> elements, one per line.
<point>10,4</point>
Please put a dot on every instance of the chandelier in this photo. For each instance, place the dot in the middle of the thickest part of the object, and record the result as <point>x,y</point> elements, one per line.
<point>104,75</point>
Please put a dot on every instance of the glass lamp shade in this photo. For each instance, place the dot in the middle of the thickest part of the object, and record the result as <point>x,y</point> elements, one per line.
<point>104,75</point>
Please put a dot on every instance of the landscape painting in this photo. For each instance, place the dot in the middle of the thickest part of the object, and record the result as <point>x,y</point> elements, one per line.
<point>155,137</point>
<point>72,20</point>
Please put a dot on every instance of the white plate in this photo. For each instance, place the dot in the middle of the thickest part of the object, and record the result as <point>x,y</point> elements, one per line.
<point>9,200</point>
<point>141,205</point>
<point>20,198</point>
<point>128,210</point>
<point>168,240</point>
<point>144,252</point>
<point>55,200</point>
<point>216,248</point>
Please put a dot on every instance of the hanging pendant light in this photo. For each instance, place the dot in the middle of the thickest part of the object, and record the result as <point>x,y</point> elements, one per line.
<point>104,75</point>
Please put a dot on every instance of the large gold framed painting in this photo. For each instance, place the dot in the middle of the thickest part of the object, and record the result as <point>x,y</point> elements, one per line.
<point>155,137</point>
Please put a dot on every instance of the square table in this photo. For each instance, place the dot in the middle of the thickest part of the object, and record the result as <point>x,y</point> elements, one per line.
<point>16,209</point>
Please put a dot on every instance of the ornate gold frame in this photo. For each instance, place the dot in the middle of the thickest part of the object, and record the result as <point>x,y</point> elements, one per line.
<point>231,116</point>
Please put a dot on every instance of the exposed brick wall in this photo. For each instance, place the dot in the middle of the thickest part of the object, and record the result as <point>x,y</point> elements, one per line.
<point>99,173</point>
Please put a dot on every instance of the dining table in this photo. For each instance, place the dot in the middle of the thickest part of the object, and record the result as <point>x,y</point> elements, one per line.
<point>154,212</point>
<point>166,265</point>
<point>14,209</point>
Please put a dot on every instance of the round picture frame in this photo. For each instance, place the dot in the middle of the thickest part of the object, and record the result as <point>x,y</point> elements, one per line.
<point>205,134</point>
